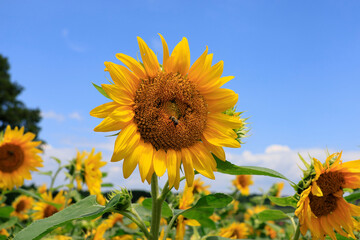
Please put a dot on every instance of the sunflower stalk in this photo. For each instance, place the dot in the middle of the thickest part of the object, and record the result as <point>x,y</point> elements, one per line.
<point>138,222</point>
<point>297,232</point>
<point>156,207</point>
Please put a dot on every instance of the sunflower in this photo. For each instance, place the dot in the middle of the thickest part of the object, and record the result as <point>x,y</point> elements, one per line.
<point>242,183</point>
<point>21,205</point>
<point>322,208</point>
<point>44,209</point>
<point>107,224</point>
<point>169,114</point>
<point>199,187</point>
<point>279,188</point>
<point>88,167</point>
<point>18,156</point>
<point>235,231</point>
<point>254,210</point>
<point>186,200</point>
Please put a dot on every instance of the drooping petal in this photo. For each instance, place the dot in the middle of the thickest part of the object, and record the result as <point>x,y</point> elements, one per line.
<point>188,166</point>
<point>171,166</point>
<point>146,161</point>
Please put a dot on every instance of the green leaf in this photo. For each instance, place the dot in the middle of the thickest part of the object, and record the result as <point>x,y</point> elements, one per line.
<point>232,169</point>
<point>202,216</point>
<point>5,211</point>
<point>101,90</point>
<point>107,185</point>
<point>340,237</point>
<point>57,160</point>
<point>165,209</point>
<point>216,238</point>
<point>271,214</point>
<point>283,201</point>
<point>48,173</point>
<point>9,223</point>
<point>104,174</point>
<point>353,197</point>
<point>217,200</point>
<point>87,208</point>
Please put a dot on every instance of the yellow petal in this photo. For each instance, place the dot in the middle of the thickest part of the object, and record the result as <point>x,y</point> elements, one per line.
<point>315,190</point>
<point>171,166</point>
<point>210,78</point>
<point>123,138</point>
<point>118,94</point>
<point>149,58</point>
<point>132,160</point>
<point>197,68</point>
<point>104,110</point>
<point>117,120</point>
<point>165,51</point>
<point>160,162</point>
<point>179,60</point>
<point>221,99</point>
<point>146,160</point>
<point>218,151</point>
<point>230,121</point>
<point>188,166</point>
<point>133,65</point>
<point>125,150</point>
<point>122,77</point>
<point>217,138</point>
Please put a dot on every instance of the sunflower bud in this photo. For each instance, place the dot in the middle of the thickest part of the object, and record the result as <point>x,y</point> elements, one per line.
<point>120,200</point>
<point>242,131</point>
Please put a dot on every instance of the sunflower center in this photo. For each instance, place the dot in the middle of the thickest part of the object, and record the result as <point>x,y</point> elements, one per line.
<point>11,157</point>
<point>49,211</point>
<point>330,182</point>
<point>169,112</point>
<point>322,206</point>
<point>20,206</point>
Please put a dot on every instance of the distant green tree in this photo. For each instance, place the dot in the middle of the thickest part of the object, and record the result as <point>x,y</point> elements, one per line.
<point>12,111</point>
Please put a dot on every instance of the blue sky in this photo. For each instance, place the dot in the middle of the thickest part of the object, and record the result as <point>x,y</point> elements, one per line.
<point>296,67</point>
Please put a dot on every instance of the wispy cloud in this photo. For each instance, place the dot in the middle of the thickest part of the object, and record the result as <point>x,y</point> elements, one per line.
<point>65,33</point>
<point>53,115</point>
<point>75,115</point>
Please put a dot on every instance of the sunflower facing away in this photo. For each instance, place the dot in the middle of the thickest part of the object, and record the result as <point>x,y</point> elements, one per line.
<point>322,208</point>
<point>169,114</point>
<point>18,156</point>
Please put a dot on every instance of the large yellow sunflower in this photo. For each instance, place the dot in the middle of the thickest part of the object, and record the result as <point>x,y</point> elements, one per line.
<point>21,206</point>
<point>44,209</point>
<point>322,208</point>
<point>18,156</point>
<point>169,114</point>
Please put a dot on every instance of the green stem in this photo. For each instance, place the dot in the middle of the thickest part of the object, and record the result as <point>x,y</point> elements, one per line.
<point>53,178</point>
<point>140,223</point>
<point>170,225</point>
<point>297,232</point>
<point>70,190</point>
<point>156,208</point>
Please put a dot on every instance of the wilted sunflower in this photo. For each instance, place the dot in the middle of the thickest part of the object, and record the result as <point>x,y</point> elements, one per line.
<point>44,209</point>
<point>18,156</point>
<point>21,206</point>
<point>88,166</point>
<point>242,183</point>
<point>168,114</point>
<point>322,208</point>
<point>235,231</point>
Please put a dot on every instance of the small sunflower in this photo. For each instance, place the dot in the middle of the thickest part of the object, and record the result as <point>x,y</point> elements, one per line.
<point>199,187</point>
<point>107,224</point>
<point>21,206</point>
<point>44,209</point>
<point>18,156</point>
<point>235,231</point>
<point>322,208</point>
<point>186,200</point>
<point>279,188</point>
<point>169,114</point>
<point>242,183</point>
<point>88,166</point>
<point>254,210</point>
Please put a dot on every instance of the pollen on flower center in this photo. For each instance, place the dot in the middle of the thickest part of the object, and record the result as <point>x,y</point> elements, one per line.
<point>322,206</point>
<point>330,182</point>
<point>49,211</point>
<point>169,111</point>
<point>11,157</point>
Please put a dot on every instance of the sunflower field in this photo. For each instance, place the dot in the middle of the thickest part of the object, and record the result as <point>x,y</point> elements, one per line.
<point>171,120</point>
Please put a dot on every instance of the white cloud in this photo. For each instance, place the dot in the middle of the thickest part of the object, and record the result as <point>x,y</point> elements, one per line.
<point>53,115</point>
<point>71,44</point>
<point>75,115</point>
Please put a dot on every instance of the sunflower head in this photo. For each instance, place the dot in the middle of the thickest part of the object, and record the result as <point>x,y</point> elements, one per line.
<point>235,231</point>
<point>18,156</point>
<point>43,209</point>
<point>169,115</point>
<point>242,183</point>
<point>322,208</point>
<point>21,206</point>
